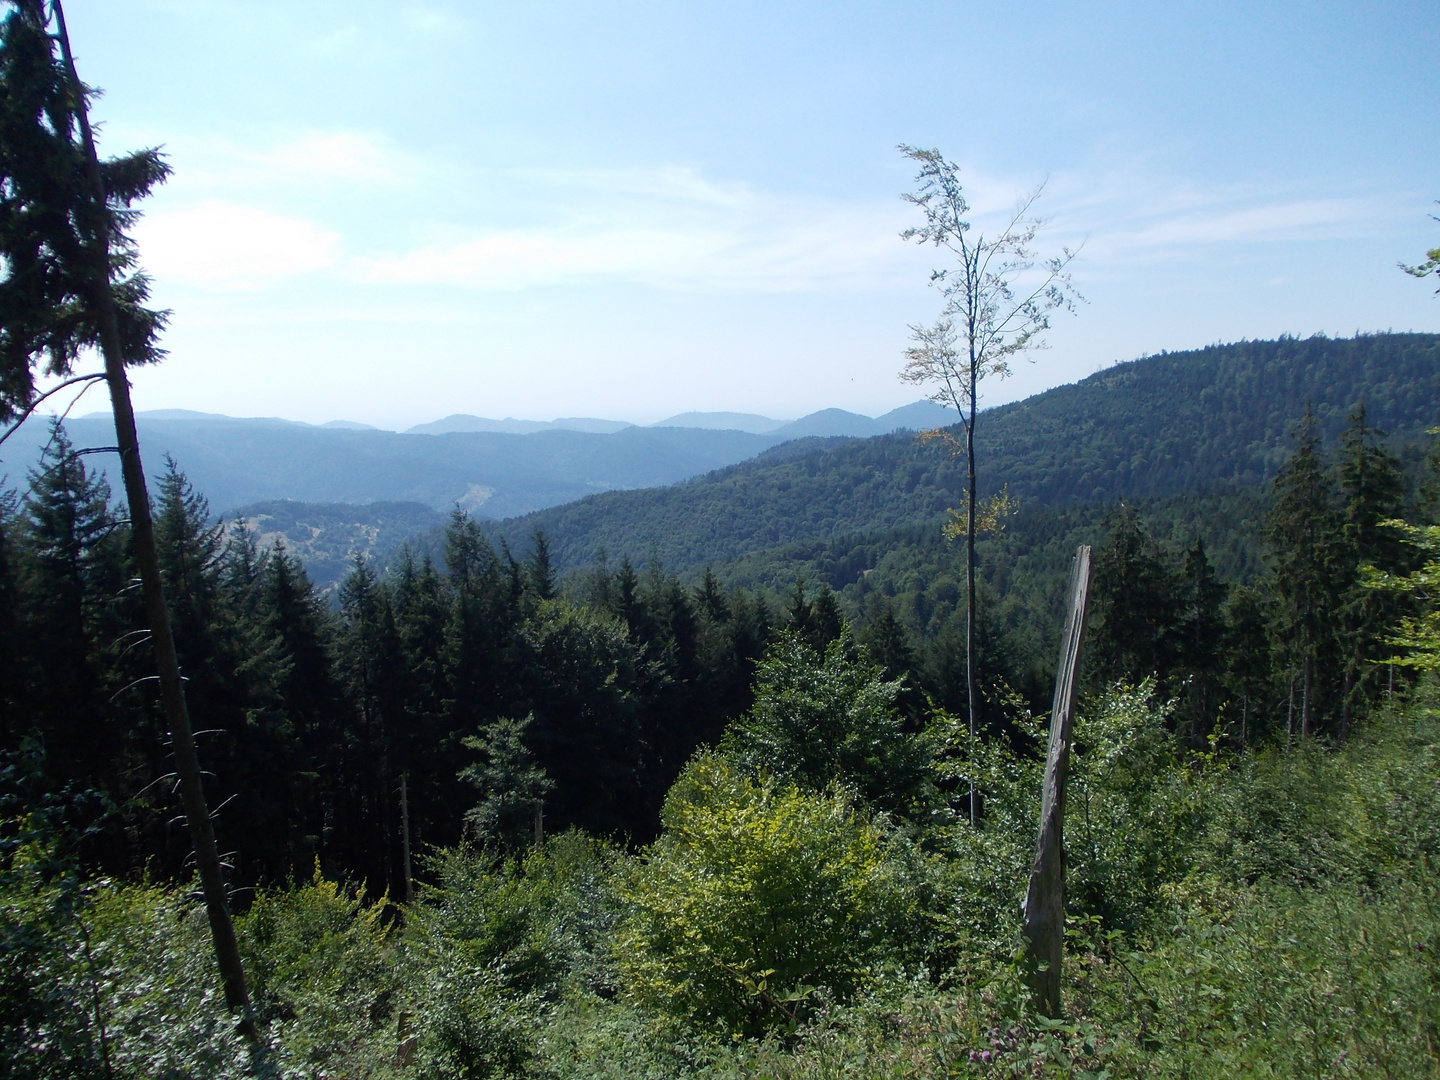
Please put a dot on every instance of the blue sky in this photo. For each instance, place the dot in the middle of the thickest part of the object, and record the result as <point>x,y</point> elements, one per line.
<point>392,212</point>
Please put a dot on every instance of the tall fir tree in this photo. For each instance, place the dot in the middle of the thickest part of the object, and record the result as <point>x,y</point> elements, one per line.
<point>1373,487</point>
<point>74,572</point>
<point>1137,606</point>
<point>1305,542</point>
<point>1201,658</point>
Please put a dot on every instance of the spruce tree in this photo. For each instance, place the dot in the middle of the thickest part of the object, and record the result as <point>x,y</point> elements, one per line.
<point>1372,485</point>
<point>1248,664</point>
<point>421,750</point>
<point>71,285</point>
<point>540,571</point>
<point>512,787</point>
<point>15,672</point>
<point>371,663</point>
<point>73,575</point>
<point>1201,640</point>
<point>1137,606</point>
<point>1305,541</point>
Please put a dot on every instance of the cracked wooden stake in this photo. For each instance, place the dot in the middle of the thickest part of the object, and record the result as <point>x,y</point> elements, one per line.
<point>1045,898</point>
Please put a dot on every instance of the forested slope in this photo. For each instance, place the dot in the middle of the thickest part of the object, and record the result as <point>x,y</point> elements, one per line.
<point>1154,427</point>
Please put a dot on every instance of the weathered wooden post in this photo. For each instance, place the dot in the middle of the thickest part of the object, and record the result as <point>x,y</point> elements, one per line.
<point>1045,898</point>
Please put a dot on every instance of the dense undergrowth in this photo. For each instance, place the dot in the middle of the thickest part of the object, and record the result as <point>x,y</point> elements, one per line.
<point>1269,912</point>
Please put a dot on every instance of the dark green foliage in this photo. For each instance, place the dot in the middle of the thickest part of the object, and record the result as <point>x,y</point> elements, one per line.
<point>1303,533</point>
<point>511,786</point>
<point>1137,605</point>
<point>1373,489</point>
<point>823,719</point>
<point>50,225</point>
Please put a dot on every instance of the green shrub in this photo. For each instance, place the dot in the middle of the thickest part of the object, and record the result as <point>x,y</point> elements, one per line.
<point>830,719</point>
<point>497,943</point>
<point>323,975</point>
<point>103,980</point>
<point>759,892</point>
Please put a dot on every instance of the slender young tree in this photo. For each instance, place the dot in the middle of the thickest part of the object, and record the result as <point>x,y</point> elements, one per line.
<point>998,299</point>
<point>71,284</point>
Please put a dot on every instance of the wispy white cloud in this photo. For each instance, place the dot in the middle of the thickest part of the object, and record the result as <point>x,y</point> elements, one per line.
<point>752,247</point>
<point>226,247</point>
<point>302,165</point>
<point>1143,215</point>
<point>669,228</point>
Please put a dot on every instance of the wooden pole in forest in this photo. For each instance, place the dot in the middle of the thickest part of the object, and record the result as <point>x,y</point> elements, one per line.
<point>1045,898</point>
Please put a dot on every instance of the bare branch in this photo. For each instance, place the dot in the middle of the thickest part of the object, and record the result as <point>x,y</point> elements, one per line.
<point>29,411</point>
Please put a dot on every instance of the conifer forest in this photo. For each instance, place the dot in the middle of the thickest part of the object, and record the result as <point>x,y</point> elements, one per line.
<point>734,778</point>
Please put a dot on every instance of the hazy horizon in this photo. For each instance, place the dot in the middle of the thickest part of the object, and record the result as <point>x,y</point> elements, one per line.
<point>572,210</point>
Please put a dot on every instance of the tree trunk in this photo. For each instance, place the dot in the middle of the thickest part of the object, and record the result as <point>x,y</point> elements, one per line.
<point>1045,897</point>
<point>1305,692</point>
<point>172,690</point>
<point>970,585</point>
<point>405,833</point>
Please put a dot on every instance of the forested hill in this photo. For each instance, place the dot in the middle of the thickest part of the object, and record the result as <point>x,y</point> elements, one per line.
<point>1152,427</point>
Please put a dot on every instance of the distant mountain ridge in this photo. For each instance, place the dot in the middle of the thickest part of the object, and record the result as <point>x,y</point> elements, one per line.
<point>463,422</point>
<point>493,474</point>
<point>1150,428</point>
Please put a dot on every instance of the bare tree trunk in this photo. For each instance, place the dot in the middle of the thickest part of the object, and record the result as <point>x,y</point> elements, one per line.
<point>172,690</point>
<point>1045,897</point>
<point>405,833</point>
<point>1290,713</point>
<point>1305,691</point>
<point>1345,703</point>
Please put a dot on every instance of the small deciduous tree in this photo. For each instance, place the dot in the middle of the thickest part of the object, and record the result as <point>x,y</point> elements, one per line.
<point>758,893</point>
<point>998,299</point>
<point>823,718</point>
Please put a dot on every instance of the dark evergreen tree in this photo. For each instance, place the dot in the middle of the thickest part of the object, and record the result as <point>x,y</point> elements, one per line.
<point>74,572</point>
<point>1249,675</point>
<point>1200,662</point>
<point>585,680</point>
<point>888,642</point>
<point>299,626</point>
<point>826,622</point>
<point>481,638</point>
<point>371,663</point>
<point>15,671</point>
<point>626,600</point>
<point>221,673</point>
<point>710,599</point>
<point>1303,533</point>
<point>1373,488</point>
<point>540,573</point>
<point>512,787</point>
<point>1137,606</point>
<point>421,746</point>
